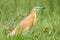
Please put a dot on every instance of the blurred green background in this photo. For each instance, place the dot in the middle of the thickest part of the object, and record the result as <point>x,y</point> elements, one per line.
<point>47,26</point>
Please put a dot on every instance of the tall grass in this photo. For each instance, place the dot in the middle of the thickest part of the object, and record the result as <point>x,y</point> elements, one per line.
<point>47,26</point>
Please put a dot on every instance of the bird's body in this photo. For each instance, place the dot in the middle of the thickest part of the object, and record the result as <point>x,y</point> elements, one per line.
<point>26,24</point>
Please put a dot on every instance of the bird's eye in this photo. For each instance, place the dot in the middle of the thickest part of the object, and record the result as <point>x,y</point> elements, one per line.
<point>36,8</point>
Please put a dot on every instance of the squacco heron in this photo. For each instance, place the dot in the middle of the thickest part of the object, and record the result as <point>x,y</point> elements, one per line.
<point>27,23</point>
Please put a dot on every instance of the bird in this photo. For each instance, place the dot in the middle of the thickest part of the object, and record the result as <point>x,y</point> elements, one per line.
<point>27,23</point>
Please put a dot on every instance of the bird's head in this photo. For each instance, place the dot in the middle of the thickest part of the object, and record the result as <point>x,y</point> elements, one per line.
<point>38,8</point>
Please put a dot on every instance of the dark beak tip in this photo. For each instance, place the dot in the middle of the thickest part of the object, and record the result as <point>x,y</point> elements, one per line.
<point>43,7</point>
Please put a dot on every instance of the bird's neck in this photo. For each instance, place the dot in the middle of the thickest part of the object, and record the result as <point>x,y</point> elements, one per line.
<point>33,12</point>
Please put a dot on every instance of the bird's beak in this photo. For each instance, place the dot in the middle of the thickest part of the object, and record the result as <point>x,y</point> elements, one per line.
<point>41,8</point>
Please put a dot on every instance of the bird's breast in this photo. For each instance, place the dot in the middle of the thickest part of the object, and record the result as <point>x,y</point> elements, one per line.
<point>28,22</point>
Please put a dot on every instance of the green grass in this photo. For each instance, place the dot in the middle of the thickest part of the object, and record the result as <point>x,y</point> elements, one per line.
<point>47,26</point>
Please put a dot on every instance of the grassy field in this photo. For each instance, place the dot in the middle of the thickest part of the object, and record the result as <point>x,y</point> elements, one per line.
<point>47,26</point>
